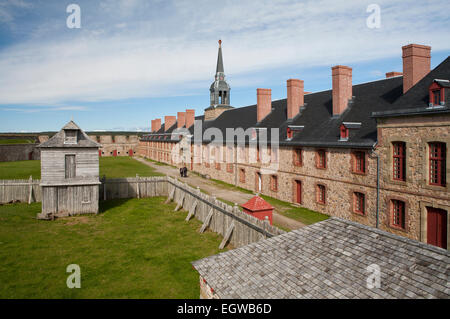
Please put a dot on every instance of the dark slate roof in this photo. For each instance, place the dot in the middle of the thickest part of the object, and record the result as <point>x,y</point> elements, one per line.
<point>416,99</point>
<point>57,140</point>
<point>329,259</point>
<point>321,129</point>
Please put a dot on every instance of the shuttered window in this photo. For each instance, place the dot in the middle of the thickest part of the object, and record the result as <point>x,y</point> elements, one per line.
<point>359,203</point>
<point>398,161</point>
<point>321,161</point>
<point>437,164</point>
<point>321,194</point>
<point>70,167</point>
<point>398,213</point>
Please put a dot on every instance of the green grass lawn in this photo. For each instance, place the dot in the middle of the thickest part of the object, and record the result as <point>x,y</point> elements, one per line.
<point>20,170</point>
<point>16,141</point>
<point>136,248</point>
<point>112,167</point>
<point>116,167</point>
<point>302,214</point>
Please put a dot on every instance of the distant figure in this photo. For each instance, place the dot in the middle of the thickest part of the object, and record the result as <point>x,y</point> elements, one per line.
<point>185,171</point>
<point>181,171</point>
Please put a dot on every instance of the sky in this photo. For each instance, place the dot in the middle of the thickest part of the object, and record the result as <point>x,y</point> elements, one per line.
<point>132,61</point>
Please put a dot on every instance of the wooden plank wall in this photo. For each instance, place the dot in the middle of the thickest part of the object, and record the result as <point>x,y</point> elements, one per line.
<point>135,187</point>
<point>19,190</point>
<point>247,229</point>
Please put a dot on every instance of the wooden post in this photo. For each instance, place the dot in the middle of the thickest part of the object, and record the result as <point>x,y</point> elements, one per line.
<point>180,204</point>
<point>227,236</point>
<point>30,189</point>
<point>104,187</point>
<point>207,220</point>
<point>137,186</point>
<point>172,193</point>
<point>191,211</point>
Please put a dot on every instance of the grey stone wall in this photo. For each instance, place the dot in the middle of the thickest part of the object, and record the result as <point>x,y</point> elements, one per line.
<point>19,152</point>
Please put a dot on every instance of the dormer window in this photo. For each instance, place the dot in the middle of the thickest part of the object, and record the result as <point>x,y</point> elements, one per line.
<point>436,97</point>
<point>289,133</point>
<point>437,92</point>
<point>70,137</point>
<point>344,129</point>
<point>291,129</point>
<point>344,133</point>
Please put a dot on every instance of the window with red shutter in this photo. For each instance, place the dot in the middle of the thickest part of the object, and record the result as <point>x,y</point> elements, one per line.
<point>359,164</point>
<point>321,159</point>
<point>359,202</point>
<point>399,161</point>
<point>274,183</point>
<point>437,164</point>
<point>321,195</point>
<point>398,213</point>
<point>298,157</point>
<point>289,133</point>
<point>242,175</point>
<point>344,132</point>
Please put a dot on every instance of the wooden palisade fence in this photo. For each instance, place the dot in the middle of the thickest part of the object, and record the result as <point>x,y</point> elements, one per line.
<point>236,227</point>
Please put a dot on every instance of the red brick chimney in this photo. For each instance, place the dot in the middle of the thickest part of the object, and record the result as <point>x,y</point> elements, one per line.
<point>152,127</point>
<point>181,119</point>
<point>392,74</point>
<point>416,64</point>
<point>264,103</point>
<point>156,125</point>
<point>342,87</point>
<point>169,121</point>
<point>190,118</point>
<point>295,97</point>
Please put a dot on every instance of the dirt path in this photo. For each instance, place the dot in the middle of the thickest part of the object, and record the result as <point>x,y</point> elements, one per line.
<point>210,187</point>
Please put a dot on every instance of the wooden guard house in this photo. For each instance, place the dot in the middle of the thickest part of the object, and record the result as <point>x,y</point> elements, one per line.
<point>69,174</point>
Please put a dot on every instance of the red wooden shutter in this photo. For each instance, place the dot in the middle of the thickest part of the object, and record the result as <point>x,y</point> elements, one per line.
<point>437,227</point>
<point>437,165</point>
<point>398,161</point>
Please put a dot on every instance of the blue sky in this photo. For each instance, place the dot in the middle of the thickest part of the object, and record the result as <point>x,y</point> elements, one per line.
<point>136,60</point>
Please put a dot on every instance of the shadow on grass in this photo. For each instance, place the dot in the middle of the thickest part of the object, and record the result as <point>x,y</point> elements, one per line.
<point>105,205</point>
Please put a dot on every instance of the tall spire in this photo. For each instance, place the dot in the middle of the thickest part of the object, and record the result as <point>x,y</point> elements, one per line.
<point>219,67</point>
<point>220,90</point>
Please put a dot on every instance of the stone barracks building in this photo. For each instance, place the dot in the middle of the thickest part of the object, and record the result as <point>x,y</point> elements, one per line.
<point>374,153</point>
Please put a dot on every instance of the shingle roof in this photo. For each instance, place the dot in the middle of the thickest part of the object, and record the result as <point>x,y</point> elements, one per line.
<point>416,99</point>
<point>329,259</point>
<point>57,140</point>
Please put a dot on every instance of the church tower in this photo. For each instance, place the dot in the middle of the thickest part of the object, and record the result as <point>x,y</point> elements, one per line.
<point>219,91</point>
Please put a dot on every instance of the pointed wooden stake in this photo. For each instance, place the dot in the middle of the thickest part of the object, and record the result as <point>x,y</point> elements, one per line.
<point>227,236</point>
<point>207,221</point>
<point>191,211</point>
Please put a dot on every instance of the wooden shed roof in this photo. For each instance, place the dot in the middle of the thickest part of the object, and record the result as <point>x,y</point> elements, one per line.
<point>57,140</point>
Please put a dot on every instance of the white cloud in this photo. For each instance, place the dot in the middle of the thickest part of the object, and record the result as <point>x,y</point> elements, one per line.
<point>131,49</point>
<point>44,109</point>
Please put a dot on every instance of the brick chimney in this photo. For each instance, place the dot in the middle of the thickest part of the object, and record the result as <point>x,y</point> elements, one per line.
<point>190,118</point>
<point>342,88</point>
<point>156,125</point>
<point>392,74</point>
<point>152,127</point>
<point>169,121</point>
<point>181,119</point>
<point>416,64</point>
<point>295,97</point>
<point>264,103</point>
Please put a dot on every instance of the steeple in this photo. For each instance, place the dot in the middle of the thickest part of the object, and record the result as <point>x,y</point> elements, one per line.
<point>219,67</point>
<point>220,90</point>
